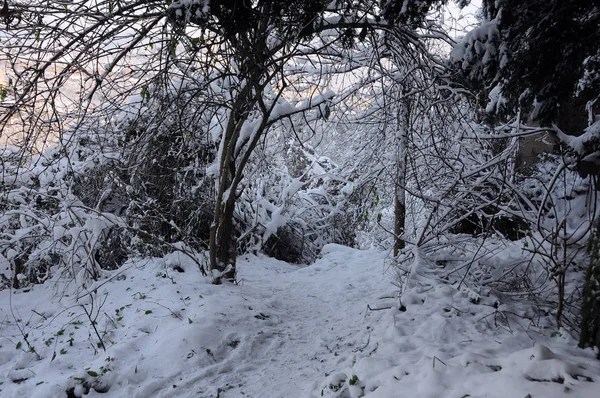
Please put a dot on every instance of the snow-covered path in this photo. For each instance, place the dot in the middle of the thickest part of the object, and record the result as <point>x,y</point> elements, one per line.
<point>308,332</point>
<point>309,322</point>
<point>284,332</point>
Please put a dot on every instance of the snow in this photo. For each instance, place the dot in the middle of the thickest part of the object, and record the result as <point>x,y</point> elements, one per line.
<point>334,329</point>
<point>588,142</point>
<point>479,41</point>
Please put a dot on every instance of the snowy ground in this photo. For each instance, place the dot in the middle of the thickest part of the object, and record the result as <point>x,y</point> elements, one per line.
<point>333,329</point>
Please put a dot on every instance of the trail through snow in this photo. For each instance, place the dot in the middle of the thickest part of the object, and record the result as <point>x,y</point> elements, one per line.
<point>309,323</point>
<point>335,328</point>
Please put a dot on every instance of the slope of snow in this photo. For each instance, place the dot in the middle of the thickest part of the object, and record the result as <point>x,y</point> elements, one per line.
<point>335,328</point>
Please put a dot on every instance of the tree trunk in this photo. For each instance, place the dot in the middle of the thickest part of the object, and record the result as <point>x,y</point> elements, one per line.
<point>223,243</point>
<point>590,307</point>
<point>18,269</point>
<point>234,155</point>
<point>399,219</point>
<point>221,246</point>
<point>400,183</point>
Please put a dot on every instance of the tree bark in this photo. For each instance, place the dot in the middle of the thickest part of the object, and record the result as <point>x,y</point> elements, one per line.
<point>223,242</point>
<point>400,183</point>
<point>223,252</point>
<point>18,269</point>
<point>399,219</point>
<point>221,246</point>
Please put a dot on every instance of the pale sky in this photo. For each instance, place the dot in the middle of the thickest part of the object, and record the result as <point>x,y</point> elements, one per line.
<point>461,21</point>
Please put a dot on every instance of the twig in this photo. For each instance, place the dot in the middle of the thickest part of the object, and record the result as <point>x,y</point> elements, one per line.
<point>377,309</point>
<point>40,315</point>
<point>176,315</point>
<point>93,321</point>
<point>434,359</point>
<point>361,349</point>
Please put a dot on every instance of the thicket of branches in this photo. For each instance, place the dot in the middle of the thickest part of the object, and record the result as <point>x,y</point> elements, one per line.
<point>136,128</point>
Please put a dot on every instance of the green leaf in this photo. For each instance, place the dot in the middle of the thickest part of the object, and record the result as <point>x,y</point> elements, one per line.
<point>196,41</point>
<point>19,345</point>
<point>145,97</point>
<point>173,47</point>
<point>92,373</point>
<point>327,112</point>
<point>3,93</point>
<point>148,312</point>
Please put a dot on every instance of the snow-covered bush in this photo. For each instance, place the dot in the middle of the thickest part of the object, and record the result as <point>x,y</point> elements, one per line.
<point>292,210</point>
<point>590,308</point>
<point>529,237</point>
<point>168,192</point>
<point>46,230</point>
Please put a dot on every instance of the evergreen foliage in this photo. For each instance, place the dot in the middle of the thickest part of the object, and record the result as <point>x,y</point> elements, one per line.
<point>538,55</point>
